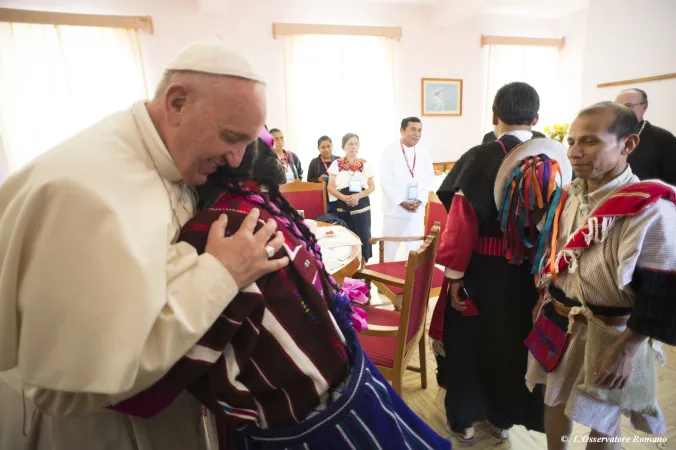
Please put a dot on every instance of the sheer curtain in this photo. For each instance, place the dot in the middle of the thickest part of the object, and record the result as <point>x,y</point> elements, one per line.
<point>57,80</point>
<point>537,66</point>
<point>337,85</point>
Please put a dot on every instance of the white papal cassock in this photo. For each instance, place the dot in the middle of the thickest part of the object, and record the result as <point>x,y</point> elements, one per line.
<point>97,302</point>
<point>395,177</point>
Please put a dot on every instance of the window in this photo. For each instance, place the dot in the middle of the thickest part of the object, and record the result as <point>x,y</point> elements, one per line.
<point>535,65</point>
<point>56,80</point>
<point>337,85</point>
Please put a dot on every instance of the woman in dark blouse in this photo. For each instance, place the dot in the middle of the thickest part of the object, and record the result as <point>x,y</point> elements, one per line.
<point>318,167</point>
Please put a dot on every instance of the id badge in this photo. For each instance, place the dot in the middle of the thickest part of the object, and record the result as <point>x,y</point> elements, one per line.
<point>355,184</point>
<point>412,192</point>
<point>289,176</point>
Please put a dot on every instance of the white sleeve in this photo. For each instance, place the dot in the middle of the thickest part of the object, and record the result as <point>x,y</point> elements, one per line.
<point>367,171</point>
<point>388,183</point>
<point>333,168</point>
<point>99,321</point>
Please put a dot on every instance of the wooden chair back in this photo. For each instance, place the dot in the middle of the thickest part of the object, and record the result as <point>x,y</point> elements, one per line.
<point>435,212</point>
<point>308,197</point>
<point>419,271</point>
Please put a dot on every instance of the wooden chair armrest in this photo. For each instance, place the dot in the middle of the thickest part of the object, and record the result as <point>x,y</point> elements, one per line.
<point>396,239</point>
<point>380,305</point>
<point>370,275</point>
<point>380,331</point>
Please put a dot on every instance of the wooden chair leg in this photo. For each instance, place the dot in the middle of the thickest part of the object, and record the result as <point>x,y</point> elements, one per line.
<point>396,383</point>
<point>422,350</point>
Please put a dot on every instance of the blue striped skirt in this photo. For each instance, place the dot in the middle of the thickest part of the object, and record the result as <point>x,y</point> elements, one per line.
<point>368,415</point>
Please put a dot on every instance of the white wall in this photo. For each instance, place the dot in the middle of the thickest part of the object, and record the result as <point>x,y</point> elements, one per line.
<point>627,40</point>
<point>424,51</point>
<point>571,63</point>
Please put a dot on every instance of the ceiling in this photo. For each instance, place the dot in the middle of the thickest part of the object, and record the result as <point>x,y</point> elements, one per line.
<point>531,8</point>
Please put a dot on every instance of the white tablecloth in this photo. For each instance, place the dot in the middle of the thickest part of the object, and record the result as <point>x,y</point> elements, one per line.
<point>337,247</point>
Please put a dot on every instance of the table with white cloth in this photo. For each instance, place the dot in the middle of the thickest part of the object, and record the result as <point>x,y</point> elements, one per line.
<point>341,249</point>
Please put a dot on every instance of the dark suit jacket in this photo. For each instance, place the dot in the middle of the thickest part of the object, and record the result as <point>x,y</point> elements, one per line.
<point>655,155</point>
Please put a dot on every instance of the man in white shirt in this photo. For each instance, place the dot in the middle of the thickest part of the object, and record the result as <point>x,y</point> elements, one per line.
<point>97,300</point>
<point>406,176</point>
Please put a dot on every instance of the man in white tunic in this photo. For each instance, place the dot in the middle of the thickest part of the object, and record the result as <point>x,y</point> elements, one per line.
<point>97,301</point>
<point>406,176</point>
<point>610,296</point>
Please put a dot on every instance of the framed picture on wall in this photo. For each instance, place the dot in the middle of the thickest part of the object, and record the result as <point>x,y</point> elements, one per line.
<point>441,97</point>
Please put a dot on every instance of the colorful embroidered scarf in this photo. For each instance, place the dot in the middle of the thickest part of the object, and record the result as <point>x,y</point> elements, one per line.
<point>344,164</point>
<point>627,201</point>
<point>531,187</point>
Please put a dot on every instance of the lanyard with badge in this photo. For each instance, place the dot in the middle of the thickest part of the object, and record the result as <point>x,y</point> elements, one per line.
<point>287,172</point>
<point>327,170</point>
<point>412,187</point>
<point>355,179</point>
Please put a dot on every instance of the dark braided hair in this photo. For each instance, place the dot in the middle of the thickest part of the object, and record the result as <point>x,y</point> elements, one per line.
<point>260,164</point>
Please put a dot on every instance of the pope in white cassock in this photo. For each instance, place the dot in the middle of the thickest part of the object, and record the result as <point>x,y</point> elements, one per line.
<point>406,176</point>
<point>97,301</point>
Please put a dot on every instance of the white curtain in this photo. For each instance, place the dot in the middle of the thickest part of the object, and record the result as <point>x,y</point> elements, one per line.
<point>337,85</point>
<point>57,80</point>
<point>537,66</point>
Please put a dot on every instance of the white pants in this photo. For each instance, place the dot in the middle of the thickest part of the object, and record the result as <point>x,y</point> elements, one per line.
<point>414,225</point>
<point>178,427</point>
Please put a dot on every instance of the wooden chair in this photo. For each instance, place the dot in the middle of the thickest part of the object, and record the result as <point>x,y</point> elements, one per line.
<point>392,336</point>
<point>309,197</point>
<point>435,214</point>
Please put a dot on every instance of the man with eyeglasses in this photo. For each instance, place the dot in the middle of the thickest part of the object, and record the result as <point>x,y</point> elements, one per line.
<point>655,155</point>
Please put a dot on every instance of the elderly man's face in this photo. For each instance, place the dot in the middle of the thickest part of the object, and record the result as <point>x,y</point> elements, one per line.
<point>593,150</point>
<point>212,123</point>
<point>633,100</point>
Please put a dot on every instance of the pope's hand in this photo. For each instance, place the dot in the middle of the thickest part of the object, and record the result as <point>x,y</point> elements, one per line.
<point>244,253</point>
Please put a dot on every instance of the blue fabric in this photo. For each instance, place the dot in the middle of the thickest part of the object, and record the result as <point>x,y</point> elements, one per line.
<point>368,415</point>
<point>545,232</point>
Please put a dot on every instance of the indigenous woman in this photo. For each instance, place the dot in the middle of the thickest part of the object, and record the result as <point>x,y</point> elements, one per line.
<point>282,367</point>
<point>319,168</point>
<point>351,182</point>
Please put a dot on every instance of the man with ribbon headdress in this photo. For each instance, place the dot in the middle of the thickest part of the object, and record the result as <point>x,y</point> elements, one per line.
<point>609,289</point>
<point>489,246</point>
<point>98,300</point>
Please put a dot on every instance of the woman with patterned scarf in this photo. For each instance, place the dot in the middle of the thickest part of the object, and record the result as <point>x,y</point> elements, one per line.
<point>282,367</point>
<point>351,183</point>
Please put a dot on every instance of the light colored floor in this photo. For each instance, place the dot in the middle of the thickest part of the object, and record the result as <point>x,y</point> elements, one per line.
<point>428,403</point>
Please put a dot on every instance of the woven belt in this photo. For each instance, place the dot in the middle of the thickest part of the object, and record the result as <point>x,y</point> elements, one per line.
<point>489,246</point>
<point>611,321</point>
<point>612,316</point>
